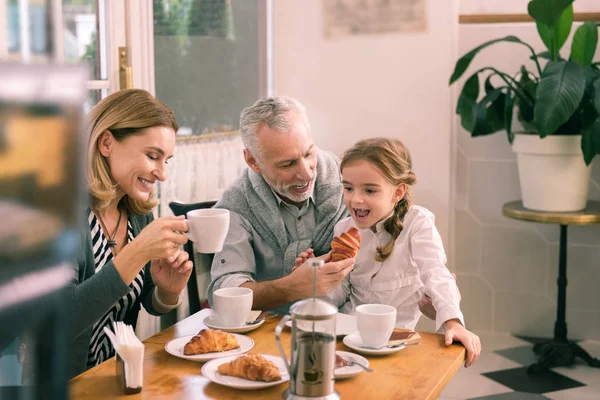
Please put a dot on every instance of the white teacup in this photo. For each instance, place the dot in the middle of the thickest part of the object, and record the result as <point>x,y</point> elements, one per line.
<point>375,323</point>
<point>207,228</point>
<point>233,305</point>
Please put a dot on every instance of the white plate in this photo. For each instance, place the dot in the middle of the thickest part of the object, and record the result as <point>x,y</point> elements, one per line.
<point>210,371</point>
<point>175,347</point>
<point>354,342</point>
<point>348,371</point>
<point>212,322</point>
<point>344,324</point>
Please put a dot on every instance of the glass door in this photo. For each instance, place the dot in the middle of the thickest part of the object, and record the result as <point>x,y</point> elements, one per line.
<point>67,31</point>
<point>206,59</point>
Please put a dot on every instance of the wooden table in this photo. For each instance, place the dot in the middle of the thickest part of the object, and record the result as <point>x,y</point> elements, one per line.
<point>416,372</point>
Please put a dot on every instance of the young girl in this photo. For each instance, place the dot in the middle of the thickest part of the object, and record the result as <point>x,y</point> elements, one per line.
<point>401,254</point>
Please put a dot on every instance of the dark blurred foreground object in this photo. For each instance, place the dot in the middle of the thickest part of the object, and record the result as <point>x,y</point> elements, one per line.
<point>41,198</point>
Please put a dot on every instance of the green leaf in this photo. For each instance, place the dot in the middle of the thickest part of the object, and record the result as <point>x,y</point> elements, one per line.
<point>559,92</point>
<point>554,37</point>
<point>463,63</point>
<point>489,114</point>
<point>597,95</point>
<point>587,147</point>
<point>466,101</point>
<point>525,109</point>
<point>547,12</point>
<point>544,54</point>
<point>488,84</point>
<point>590,142</point>
<point>508,116</point>
<point>584,43</point>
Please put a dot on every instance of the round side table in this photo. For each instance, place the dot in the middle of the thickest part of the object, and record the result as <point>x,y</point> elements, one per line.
<point>558,351</point>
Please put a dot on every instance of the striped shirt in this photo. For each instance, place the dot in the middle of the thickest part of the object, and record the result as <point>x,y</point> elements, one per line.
<point>100,348</point>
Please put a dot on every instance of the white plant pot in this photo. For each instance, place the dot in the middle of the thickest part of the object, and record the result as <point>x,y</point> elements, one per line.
<point>552,173</point>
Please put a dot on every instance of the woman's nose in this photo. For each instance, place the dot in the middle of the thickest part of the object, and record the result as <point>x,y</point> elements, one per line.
<point>160,173</point>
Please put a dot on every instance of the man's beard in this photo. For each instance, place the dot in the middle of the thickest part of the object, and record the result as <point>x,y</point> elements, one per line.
<point>286,191</point>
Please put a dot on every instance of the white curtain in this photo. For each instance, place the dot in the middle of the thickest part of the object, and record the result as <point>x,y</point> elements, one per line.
<point>201,169</point>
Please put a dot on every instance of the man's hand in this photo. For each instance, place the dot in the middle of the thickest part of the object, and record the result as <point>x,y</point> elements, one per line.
<point>456,332</point>
<point>302,257</point>
<point>329,276</point>
<point>426,305</point>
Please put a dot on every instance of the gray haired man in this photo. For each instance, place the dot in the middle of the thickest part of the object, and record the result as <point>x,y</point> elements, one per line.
<point>288,200</point>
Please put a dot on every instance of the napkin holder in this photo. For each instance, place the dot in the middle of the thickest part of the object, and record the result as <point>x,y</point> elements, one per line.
<point>121,376</point>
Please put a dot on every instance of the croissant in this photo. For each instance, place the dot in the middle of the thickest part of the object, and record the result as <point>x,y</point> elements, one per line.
<point>251,366</point>
<point>346,245</point>
<point>208,341</point>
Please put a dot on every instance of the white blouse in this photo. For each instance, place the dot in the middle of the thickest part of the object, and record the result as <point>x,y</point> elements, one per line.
<point>417,266</point>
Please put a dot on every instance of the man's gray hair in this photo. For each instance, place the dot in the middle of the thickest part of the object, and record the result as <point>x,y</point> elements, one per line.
<point>270,111</point>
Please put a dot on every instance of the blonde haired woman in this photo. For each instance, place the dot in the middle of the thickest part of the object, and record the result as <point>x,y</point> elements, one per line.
<point>127,258</point>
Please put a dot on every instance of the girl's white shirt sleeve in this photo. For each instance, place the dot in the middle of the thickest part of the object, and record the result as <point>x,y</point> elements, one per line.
<point>428,253</point>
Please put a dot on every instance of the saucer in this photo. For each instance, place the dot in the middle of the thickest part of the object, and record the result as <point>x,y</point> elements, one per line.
<point>212,322</point>
<point>354,342</point>
<point>349,371</point>
<point>175,348</point>
<point>211,372</point>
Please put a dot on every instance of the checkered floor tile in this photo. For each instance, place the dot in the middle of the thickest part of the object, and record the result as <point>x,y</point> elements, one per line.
<point>501,374</point>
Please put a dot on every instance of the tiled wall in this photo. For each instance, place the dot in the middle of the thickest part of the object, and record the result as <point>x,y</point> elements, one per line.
<point>507,269</point>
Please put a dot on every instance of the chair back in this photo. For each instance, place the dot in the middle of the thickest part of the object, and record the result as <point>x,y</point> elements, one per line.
<point>179,208</point>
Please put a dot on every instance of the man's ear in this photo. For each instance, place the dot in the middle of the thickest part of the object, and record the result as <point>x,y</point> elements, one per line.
<point>400,192</point>
<point>251,161</point>
<point>105,143</point>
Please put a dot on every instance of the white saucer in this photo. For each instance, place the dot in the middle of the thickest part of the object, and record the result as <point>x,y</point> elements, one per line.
<point>175,347</point>
<point>344,324</point>
<point>212,322</point>
<point>354,342</point>
<point>348,371</point>
<point>210,371</point>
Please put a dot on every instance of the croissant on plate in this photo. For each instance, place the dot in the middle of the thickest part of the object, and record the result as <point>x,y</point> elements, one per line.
<point>251,366</point>
<point>209,340</point>
<point>345,245</point>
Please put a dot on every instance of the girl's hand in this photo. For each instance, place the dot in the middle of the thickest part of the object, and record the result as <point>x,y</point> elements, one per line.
<point>302,257</point>
<point>456,332</point>
<point>171,275</point>
<point>162,238</point>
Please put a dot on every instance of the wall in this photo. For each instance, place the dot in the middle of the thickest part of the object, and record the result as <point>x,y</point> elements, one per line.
<point>515,6</point>
<point>396,85</point>
<point>374,85</point>
<point>507,269</point>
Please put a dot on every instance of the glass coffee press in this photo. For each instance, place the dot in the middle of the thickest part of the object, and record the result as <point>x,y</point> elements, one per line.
<point>313,344</point>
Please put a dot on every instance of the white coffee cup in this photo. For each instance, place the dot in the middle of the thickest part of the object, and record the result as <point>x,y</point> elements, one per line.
<point>233,305</point>
<point>207,228</point>
<point>375,323</point>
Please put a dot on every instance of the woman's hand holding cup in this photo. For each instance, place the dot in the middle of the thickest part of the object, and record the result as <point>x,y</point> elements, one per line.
<point>162,238</point>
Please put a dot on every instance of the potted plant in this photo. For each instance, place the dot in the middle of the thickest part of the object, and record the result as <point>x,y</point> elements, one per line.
<point>557,106</point>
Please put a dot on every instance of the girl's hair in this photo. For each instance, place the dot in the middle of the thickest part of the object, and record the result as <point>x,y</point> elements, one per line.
<point>124,113</point>
<point>393,161</point>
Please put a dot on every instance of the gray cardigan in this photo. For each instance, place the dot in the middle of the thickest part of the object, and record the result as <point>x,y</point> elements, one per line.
<point>90,295</point>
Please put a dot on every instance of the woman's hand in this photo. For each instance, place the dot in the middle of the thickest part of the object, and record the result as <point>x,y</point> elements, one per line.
<point>456,331</point>
<point>171,275</point>
<point>162,238</point>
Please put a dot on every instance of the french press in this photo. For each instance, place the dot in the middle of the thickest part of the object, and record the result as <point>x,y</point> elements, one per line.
<point>312,356</point>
